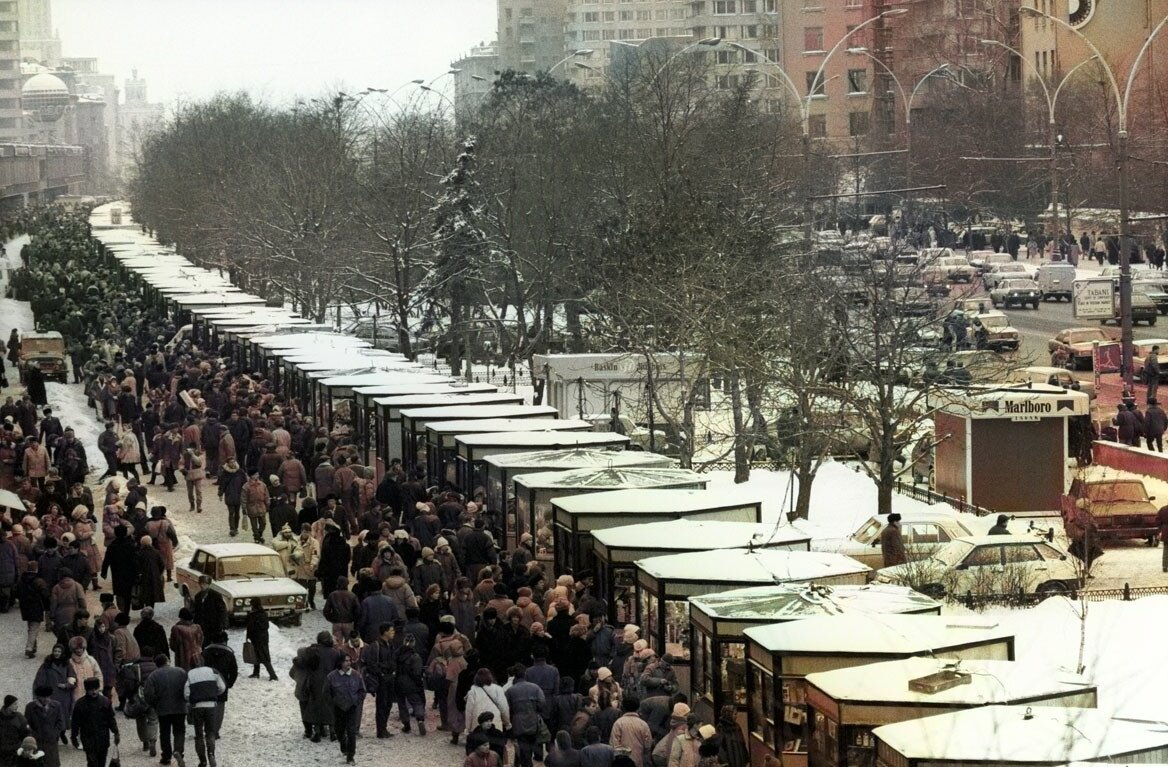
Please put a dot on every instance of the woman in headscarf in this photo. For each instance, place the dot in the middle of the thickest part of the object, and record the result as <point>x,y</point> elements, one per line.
<point>55,673</point>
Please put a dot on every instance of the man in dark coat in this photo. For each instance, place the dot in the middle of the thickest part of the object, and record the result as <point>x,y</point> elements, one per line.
<point>33,594</point>
<point>164,690</point>
<point>94,720</point>
<point>121,561</point>
<point>210,610</point>
<point>149,634</point>
<point>379,664</point>
<point>891,542</point>
<point>151,568</point>
<point>478,550</point>
<point>46,722</point>
<point>320,660</point>
<point>334,560</point>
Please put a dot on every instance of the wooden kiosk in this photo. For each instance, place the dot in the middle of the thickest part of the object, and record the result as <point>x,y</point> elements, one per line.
<point>717,622</point>
<point>845,705</point>
<point>615,550</point>
<point>780,656</point>
<point>534,494</point>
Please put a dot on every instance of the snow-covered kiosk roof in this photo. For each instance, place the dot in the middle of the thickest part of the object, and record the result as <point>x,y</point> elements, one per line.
<point>1017,735</point>
<point>627,544</point>
<point>680,576</point>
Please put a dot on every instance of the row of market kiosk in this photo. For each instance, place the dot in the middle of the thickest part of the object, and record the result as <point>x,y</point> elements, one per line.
<point>823,667</point>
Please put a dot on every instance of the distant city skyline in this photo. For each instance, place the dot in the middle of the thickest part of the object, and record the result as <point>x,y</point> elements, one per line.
<point>276,50</point>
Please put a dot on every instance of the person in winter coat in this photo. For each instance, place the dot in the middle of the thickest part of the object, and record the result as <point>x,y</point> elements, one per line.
<point>126,647</point>
<point>346,691</point>
<point>231,483</point>
<point>203,691</point>
<point>376,610</point>
<point>121,565</point>
<point>33,595</point>
<point>334,559</point>
<point>292,476</point>
<point>684,750</point>
<point>13,730</point>
<point>256,632</point>
<point>379,666</point>
<point>488,731</point>
<point>527,704</point>
<point>309,562</point>
<point>56,675</point>
<point>93,721</point>
<point>150,635</point>
<point>319,661</point>
<point>410,684</point>
<point>165,691</point>
<point>398,589</point>
<point>562,753</point>
<point>65,599</point>
<point>732,749</point>
<point>10,567</point>
<point>165,537</point>
<point>485,696</point>
<point>151,568</point>
<point>47,722</point>
<point>341,609</point>
<point>129,454</point>
<point>1155,424</point>
<point>186,641</point>
<point>448,659</point>
<point>194,471</point>
<point>209,610</point>
<point>892,543</point>
<point>427,572</point>
<point>101,647</point>
<point>632,733</point>
<point>288,547</point>
<point>82,666</point>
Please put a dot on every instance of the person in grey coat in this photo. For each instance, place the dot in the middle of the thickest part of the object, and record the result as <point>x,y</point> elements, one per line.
<point>165,691</point>
<point>345,689</point>
<point>526,702</point>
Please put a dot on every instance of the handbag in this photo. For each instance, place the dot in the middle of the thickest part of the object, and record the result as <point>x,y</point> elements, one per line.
<point>116,761</point>
<point>249,655</point>
<point>136,707</point>
<point>542,733</point>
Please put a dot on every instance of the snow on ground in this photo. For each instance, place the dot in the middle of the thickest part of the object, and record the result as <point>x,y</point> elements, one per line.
<point>842,498</point>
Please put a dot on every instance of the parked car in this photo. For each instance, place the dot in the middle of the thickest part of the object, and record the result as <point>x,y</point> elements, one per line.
<point>1008,271</point>
<point>1055,281</point>
<point>379,331</point>
<point>1000,336</point>
<point>1052,376</point>
<point>1143,309</point>
<point>983,260</point>
<point>949,268</point>
<point>639,436</point>
<point>45,352</point>
<point>1154,292</point>
<point>239,572</point>
<point>1140,350</point>
<point>1009,293</point>
<point>1021,564</point>
<point>1109,508</point>
<point>923,533</point>
<point>1078,344</point>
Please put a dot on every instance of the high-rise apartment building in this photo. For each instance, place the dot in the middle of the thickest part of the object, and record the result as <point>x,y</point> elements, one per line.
<point>474,75</point>
<point>531,34</point>
<point>38,42</point>
<point>598,25</point>
<point>10,80</point>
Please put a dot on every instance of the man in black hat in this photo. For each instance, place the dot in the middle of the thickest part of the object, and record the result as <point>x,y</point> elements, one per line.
<point>1001,527</point>
<point>892,543</point>
<point>93,720</point>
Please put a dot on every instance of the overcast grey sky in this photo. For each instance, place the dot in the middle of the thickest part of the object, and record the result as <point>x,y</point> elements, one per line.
<point>275,49</point>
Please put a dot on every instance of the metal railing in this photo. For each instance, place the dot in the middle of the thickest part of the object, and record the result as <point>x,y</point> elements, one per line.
<point>1127,593</point>
<point>931,496</point>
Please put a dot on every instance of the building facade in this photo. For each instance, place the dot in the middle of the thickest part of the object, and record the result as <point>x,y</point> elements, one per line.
<point>10,81</point>
<point>530,34</point>
<point>474,74</point>
<point>38,41</point>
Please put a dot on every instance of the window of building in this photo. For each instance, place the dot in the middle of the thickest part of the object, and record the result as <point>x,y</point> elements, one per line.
<point>722,7</point>
<point>644,34</point>
<point>571,37</point>
<point>814,85</point>
<point>699,33</point>
<point>661,32</point>
<point>591,17</point>
<point>857,81</point>
<point>661,14</point>
<point>525,11</point>
<point>724,57</point>
<point>750,6</point>
<point>507,14</point>
<point>608,34</point>
<point>644,15</point>
<point>813,5</point>
<point>769,6</point>
<point>676,13</point>
<point>610,15</point>
<point>625,34</point>
<point>772,54</point>
<point>590,34</point>
<point>727,82</point>
<point>749,31</point>
<point>722,33</point>
<point>626,15</point>
<point>817,126</point>
<point>770,30</point>
<point>813,38</point>
<point>857,123</point>
<point>697,8</point>
<point>749,57</point>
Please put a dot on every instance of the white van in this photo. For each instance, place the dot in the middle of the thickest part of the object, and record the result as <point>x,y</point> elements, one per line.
<point>1056,281</point>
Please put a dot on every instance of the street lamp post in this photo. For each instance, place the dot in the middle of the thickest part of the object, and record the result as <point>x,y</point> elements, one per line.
<point>1122,99</point>
<point>1052,129</point>
<point>805,104</point>
<point>569,57</point>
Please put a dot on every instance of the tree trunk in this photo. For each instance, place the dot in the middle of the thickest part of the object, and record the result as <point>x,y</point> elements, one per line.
<point>805,475</point>
<point>467,339</point>
<point>741,453</point>
<point>453,357</point>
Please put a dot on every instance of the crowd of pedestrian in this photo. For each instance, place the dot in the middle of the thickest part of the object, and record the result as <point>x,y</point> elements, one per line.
<point>520,663</point>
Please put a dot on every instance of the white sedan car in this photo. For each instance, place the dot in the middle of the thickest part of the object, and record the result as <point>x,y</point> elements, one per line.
<point>990,565</point>
<point>239,572</point>
<point>1009,293</point>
